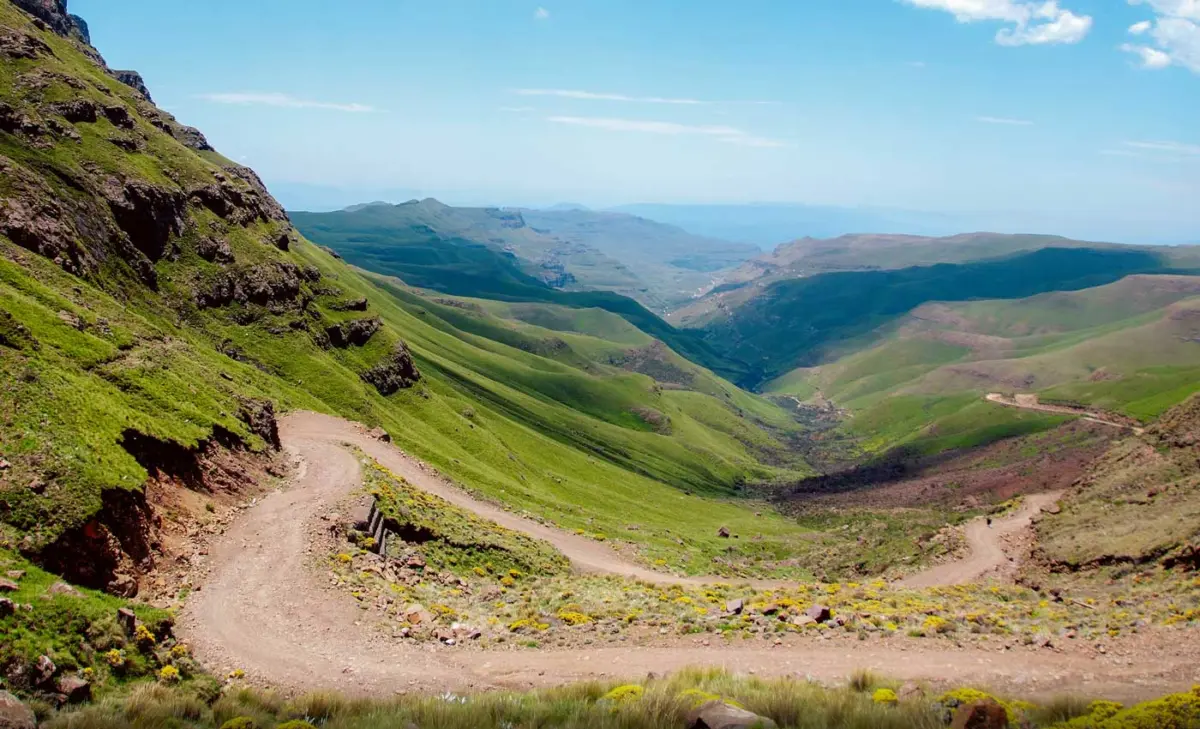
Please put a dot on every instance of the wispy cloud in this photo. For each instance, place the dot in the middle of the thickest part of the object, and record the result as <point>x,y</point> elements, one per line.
<point>594,96</point>
<point>518,109</point>
<point>726,134</point>
<point>1004,120</point>
<point>541,14</point>
<point>917,64</point>
<point>1030,22</point>
<point>581,95</point>
<point>1172,38</point>
<point>1174,149</point>
<point>283,101</point>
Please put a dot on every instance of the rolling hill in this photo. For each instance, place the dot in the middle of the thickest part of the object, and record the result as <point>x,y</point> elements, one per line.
<point>1131,347</point>
<point>804,321</point>
<point>874,252</point>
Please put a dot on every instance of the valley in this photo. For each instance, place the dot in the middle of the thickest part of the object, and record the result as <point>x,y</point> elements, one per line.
<point>417,464</point>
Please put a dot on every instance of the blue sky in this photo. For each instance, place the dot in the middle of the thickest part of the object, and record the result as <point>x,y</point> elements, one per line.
<point>1053,114</point>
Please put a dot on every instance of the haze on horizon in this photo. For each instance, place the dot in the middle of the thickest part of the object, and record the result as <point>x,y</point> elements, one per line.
<point>1074,117</point>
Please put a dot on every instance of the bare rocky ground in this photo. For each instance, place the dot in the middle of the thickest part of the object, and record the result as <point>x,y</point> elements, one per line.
<point>260,605</point>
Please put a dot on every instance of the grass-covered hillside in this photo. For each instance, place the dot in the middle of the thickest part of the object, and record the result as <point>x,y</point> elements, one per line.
<point>1131,347</point>
<point>802,322</point>
<point>153,297</point>
<point>383,239</point>
<point>882,252</point>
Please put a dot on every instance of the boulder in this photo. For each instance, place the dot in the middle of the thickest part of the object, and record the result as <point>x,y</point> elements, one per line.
<point>43,671</point>
<point>723,533</point>
<point>735,607</point>
<point>15,574</point>
<point>7,607</point>
<point>127,620</point>
<point>8,586</point>
<point>75,689</point>
<point>719,715</point>
<point>818,613</point>
<point>14,714</point>
<point>416,614</point>
<point>380,434</point>
<point>62,588</point>
<point>986,714</point>
<point>360,517</point>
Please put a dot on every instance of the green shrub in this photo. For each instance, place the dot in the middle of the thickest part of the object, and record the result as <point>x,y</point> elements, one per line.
<point>240,722</point>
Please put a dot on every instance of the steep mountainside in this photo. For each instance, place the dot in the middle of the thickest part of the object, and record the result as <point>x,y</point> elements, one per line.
<point>573,250</point>
<point>157,307</point>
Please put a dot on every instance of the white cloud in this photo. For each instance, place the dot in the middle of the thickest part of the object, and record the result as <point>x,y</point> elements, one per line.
<point>282,101</point>
<point>1031,22</point>
<point>1004,120</point>
<point>729,135</point>
<point>1151,58</point>
<point>593,96</point>
<point>1175,32</point>
<point>518,109</point>
<point>541,14</point>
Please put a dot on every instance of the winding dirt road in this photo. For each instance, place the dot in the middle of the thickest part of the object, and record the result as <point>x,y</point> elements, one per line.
<point>1030,402</point>
<point>264,609</point>
<point>985,540</point>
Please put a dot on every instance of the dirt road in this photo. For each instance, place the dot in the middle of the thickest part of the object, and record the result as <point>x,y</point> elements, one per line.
<point>986,540</point>
<point>266,610</point>
<point>1030,402</point>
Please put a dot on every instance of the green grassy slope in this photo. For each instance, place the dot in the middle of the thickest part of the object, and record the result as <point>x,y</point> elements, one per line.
<point>422,256</point>
<point>100,341</point>
<point>800,322</point>
<point>1132,346</point>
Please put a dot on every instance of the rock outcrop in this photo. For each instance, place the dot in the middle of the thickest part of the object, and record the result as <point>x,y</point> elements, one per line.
<point>353,333</point>
<point>150,215</point>
<point>397,372</point>
<point>133,80</point>
<point>265,284</point>
<point>259,416</point>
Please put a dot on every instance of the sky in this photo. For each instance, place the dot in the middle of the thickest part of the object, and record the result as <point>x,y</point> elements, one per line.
<point>1055,114</point>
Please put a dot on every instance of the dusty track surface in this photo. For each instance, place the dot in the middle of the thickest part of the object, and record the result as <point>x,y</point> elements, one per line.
<point>1088,415</point>
<point>264,609</point>
<point>986,540</point>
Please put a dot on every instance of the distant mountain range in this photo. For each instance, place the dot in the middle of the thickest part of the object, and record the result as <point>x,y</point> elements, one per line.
<point>568,247</point>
